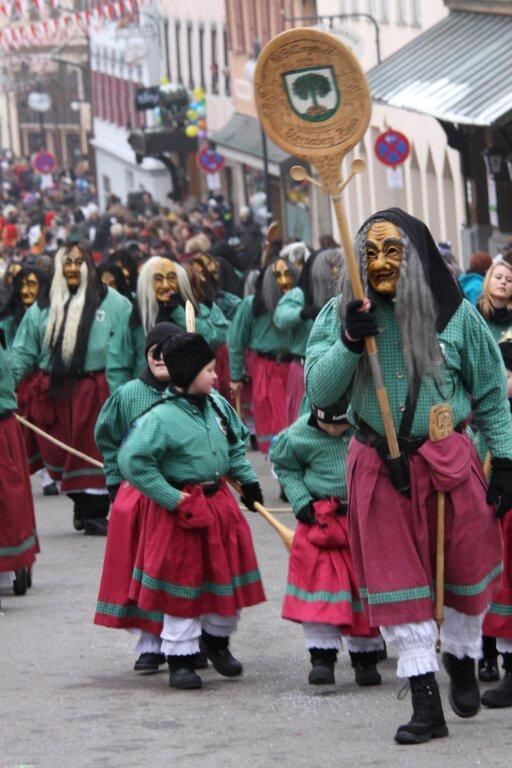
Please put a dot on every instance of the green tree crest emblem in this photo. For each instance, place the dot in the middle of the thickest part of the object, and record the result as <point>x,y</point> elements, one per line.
<point>312,93</point>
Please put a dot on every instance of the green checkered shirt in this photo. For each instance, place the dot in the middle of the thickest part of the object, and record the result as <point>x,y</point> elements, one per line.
<point>472,368</point>
<point>309,463</point>
<point>175,442</point>
<point>115,419</point>
<point>287,318</point>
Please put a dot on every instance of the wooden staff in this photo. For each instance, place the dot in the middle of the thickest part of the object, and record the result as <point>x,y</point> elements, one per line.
<point>285,533</point>
<point>313,101</point>
<point>440,426</point>
<point>54,440</point>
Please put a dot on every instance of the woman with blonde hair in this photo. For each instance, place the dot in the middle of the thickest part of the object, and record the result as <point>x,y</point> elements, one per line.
<point>495,304</point>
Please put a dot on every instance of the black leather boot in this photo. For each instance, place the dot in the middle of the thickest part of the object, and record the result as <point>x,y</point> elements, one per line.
<point>501,696</point>
<point>322,666</point>
<point>427,721</point>
<point>365,667</point>
<point>488,670</point>
<point>464,690</point>
<point>149,663</point>
<point>217,650</point>
<point>181,672</point>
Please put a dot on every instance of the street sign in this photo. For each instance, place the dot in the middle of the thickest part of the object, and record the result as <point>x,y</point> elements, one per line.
<point>392,148</point>
<point>40,102</point>
<point>44,162</point>
<point>210,160</point>
<point>147,98</point>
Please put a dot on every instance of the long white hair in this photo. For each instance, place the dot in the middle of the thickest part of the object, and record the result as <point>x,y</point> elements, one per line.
<point>60,295</point>
<point>146,298</point>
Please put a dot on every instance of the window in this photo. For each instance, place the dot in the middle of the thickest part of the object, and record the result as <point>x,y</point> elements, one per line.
<point>191,83</point>
<point>214,65</point>
<point>400,12</point>
<point>416,13</point>
<point>202,82</point>
<point>227,78</point>
<point>105,182</point>
<point>177,38</point>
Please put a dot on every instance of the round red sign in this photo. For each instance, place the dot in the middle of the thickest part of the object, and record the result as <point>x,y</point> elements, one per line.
<point>209,160</point>
<point>44,162</point>
<point>392,148</point>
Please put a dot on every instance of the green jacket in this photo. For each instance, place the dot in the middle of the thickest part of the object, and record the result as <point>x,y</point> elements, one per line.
<point>108,346</point>
<point>287,318</point>
<point>258,333</point>
<point>8,326</point>
<point>210,323</point>
<point>228,303</point>
<point>472,368</point>
<point>115,419</point>
<point>175,442</point>
<point>309,463</point>
<point>7,397</point>
<point>498,330</point>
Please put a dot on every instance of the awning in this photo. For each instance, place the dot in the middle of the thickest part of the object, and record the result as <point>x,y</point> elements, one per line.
<point>243,134</point>
<point>459,71</point>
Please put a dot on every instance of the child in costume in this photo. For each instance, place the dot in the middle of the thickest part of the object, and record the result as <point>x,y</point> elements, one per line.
<point>309,460</point>
<point>195,566</point>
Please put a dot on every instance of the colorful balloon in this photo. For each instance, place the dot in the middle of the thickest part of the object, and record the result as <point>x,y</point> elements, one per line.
<point>191,131</point>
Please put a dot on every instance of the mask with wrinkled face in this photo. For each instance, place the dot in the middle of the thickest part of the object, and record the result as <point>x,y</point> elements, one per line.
<point>72,268</point>
<point>282,275</point>
<point>29,289</point>
<point>384,254</point>
<point>165,280</point>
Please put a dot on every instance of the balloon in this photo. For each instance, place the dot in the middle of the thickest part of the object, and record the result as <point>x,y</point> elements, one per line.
<point>191,131</point>
<point>202,134</point>
<point>164,80</point>
<point>201,111</point>
<point>193,105</point>
<point>198,94</point>
<point>201,124</point>
<point>191,114</point>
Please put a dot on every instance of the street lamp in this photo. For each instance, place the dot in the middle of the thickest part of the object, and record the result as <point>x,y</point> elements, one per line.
<point>249,75</point>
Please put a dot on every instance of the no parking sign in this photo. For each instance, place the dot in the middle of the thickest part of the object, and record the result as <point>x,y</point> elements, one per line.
<point>392,148</point>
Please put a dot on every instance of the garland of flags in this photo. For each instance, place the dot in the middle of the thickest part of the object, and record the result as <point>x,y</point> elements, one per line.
<point>29,33</point>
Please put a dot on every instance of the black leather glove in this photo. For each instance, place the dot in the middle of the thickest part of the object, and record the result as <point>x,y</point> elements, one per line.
<point>251,492</point>
<point>306,514</point>
<point>499,491</point>
<point>112,491</point>
<point>358,325</point>
<point>309,313</point>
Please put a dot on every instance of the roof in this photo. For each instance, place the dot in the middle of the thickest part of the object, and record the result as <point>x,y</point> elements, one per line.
<point>459,71</point>
<point>243,133</point>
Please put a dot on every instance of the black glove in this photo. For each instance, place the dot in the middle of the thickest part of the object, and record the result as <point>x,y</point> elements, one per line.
<point>358,325</point>
<point>306,514</point>
<point>309,313</point>
<point>499,491</point>
<point>112,491</point>
<point>251,492</point>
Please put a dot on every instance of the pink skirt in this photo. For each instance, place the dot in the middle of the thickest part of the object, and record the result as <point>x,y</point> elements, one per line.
<point>269,381</point>
<point>294,391</point>
<point>321,584</point>
<point>18,536</point>
<point>498,622</point>
<point>393,538</point>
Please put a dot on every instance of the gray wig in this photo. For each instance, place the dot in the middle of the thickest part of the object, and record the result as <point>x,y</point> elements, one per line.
<point>146,298</point>
<point>59,297</point>
<point>415,308</point>
<point>323,281</point>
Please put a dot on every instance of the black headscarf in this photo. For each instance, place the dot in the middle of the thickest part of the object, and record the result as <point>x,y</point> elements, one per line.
<point>157,335</point>
<point>445,288</point>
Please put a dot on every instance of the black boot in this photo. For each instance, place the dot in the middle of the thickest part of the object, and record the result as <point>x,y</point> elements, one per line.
<point>201,661</point>
<point>427,721</point>
<point>464,691</point>
<point>217,650</point>
<point>488,670</point>
<point>322,666</point>
<point>91,512</point>
<point>499,697</point>
<point>181,672</point>
<point>365,667</point>
<point>149,663</point>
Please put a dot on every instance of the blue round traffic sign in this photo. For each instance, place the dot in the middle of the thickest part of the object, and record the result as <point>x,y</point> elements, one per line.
<point>209,160</point>
<point>44,162</point>
<point>392,148</point>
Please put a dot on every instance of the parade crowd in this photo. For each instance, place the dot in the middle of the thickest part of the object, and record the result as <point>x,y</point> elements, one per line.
<point>164,343</point>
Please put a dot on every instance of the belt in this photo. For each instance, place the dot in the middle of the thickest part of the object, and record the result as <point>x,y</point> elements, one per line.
<point>209,487</point>
<point>84,374</point>
<point>280,357</point>
<point>407,445</point>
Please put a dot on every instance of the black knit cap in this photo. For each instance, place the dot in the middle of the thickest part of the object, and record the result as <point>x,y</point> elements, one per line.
<point>159,333</point>
<point>333,414</point>
<point>185,355</point>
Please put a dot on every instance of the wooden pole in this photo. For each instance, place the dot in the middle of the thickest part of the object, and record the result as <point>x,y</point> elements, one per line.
<point>54,440</point>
